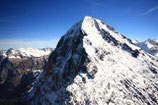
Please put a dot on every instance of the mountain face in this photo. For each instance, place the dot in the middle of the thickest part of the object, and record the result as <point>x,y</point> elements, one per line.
<point>150,46</point>
<point>18,69</point>
<point>95,65</point>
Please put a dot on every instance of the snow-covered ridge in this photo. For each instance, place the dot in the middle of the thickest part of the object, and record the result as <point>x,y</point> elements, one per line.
<point>92,27</point>
<point>150,46</point>
<point>25,52</point>
<point>96,66</point>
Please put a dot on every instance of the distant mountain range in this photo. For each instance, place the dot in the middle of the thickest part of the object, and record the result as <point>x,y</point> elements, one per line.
<point>150,46</point>
<point>18,69</point>
<point>25,52</point>
<point>93,64</point>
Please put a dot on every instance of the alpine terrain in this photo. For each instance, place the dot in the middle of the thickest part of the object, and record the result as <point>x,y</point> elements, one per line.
<point>95,65</point>
<point>18,69</point>
<point>150,46</point>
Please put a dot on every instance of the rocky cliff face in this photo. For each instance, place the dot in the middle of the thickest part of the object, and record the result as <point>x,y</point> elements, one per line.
<point>18,69</point>
<point>95,65</point>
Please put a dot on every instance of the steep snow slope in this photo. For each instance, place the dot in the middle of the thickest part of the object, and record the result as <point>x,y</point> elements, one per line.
<point>25,52</point>
<point>150,46</point>
<point>95,65</point>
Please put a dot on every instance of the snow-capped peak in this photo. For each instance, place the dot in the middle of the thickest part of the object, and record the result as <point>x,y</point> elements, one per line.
<point>135,41</point>
<point>150,46</point>
<point>95,65</point>
<point>95,28</point>
<point>25,52</point>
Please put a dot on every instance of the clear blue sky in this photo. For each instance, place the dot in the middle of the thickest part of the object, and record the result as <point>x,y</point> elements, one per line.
<point>41,23</point>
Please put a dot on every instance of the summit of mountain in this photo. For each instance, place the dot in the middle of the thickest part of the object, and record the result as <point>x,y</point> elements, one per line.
<point>95,65</point>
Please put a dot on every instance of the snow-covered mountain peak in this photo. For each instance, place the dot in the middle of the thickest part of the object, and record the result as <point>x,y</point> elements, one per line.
<point>96,31</point>
<point>25,52</point>
<point>150,46</point>
<point>92,24</point>
<point>89,22</point>
<point>95,65</point>
<point>135,41</point>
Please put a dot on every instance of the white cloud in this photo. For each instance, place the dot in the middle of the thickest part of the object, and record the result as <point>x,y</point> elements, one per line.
<point>151,10</point>
<point>5,44</point>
